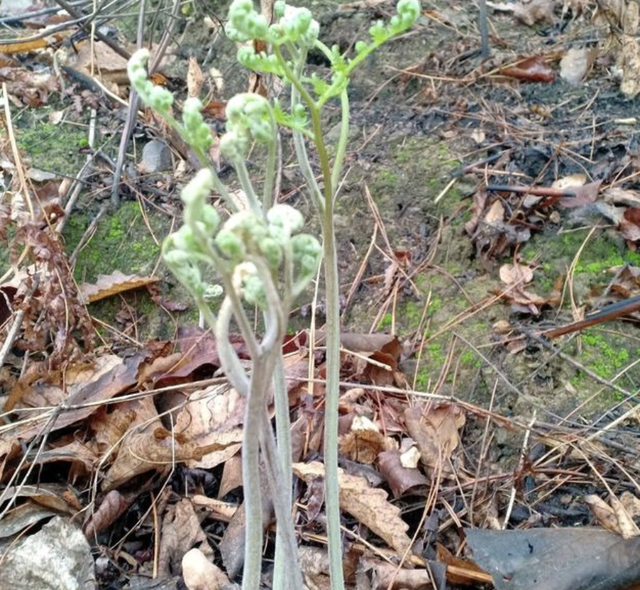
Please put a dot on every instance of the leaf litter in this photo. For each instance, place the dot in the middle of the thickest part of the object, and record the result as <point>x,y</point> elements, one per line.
<point>140,441</point>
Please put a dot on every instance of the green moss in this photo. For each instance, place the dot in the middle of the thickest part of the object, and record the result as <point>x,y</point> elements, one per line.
<point>411,314</point>
<point>423,379</point>
<point>388,177</point>
<point>469,359</point>
<point>54,148</point>
<point>554,254</point>
<point>633,258</point>
<point>385,322</point>
<point>121,242</point>
<point>603,356</point>
<point>435,305</point>
<point>435,354</point>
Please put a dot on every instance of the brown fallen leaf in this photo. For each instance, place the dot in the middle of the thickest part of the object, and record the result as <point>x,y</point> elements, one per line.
<point>232,544</point>
<point>22,517</point>
<point>216,509</point>
<point>461,571</point>
<point>195,78</point>
<point>375,357</point>
<point>27,88</point>
<point>531,12</point>
<point>630,224</point>
<point>113,284</point>
<point>399,478</point>
<point>612,516</point>
<point>375,574</point>
<point>368,505</point>
<point>85,386</point>
<point>622,196</point>
<point>212,417</point>
<point>113,505</point>
<point>530,69</point>
<point>516,276</point>
<point>231,476</point>
<point>181,531</point>
<point>631,504</point>
<point>435,430</point>
<point>364,442</point>
<point>56,497</point>
<point>576,64</point>
<point>584,195</point>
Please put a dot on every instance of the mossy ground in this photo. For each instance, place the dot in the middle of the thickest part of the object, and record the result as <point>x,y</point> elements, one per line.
<point>52,148</point>
<point>128,240</point>
<point>407,172</point>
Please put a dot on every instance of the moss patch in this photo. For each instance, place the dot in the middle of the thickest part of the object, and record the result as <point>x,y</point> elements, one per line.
<point>54,148</point>
<point>121,242</point>
<point>554,254</point>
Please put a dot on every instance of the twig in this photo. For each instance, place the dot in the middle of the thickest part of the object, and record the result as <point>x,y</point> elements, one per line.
<point>104,38</point>
<point>606,314</point>
<point>87,235</point>
<point>132,110</point>
<point>74,192</point>
<point>17,322</point>
<point>483,23</point>
<point>132,115</point>
<point>523,453</point>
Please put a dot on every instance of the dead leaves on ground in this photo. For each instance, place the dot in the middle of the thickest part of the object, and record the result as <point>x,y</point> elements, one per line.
<point>123,437</point>
<point>367,505</point>
<point>516,277</point>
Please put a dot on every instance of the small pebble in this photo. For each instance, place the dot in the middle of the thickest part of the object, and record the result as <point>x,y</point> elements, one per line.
<point>156,157</point>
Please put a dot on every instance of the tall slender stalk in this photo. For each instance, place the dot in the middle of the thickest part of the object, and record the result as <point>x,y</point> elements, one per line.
<point>260,257</point>
<point>283,434</point>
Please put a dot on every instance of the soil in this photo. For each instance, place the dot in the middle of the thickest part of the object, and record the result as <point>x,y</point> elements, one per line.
<point>424,106</point>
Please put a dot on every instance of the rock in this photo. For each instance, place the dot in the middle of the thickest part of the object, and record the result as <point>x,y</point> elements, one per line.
<point>58,557</point>
<point>156,157</point>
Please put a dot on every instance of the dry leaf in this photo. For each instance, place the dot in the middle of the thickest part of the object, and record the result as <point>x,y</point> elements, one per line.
<point>576,64</point>
<point>200,573</point>
<point>512,274</point>
<point>631,504</point>
<point>374,574</point>
<point>195,78</point>
<point>530,69</point>
<point>113,284</point>
<point>110,509</point>
<point>181,532</point>
<point>495,213</point>
<point>216,509</point>
<point>435,430</point>
<point>603,512</point>
<point>85,385</point>
<point>369,506</point>
<point>622,196</point>
<point>231,476</point>
<point>516,276</point>
<point>399,477</point>
<point>571,181</point>
<point>212,416</point>
<point>534,11</point>
<point>364,442</point>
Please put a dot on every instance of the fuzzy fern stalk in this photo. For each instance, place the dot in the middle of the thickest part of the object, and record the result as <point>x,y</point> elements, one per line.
<point>261,259</point>
<point>258,254</point>
<point>290,39</point>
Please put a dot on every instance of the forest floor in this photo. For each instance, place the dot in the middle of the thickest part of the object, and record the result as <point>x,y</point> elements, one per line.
<point>487,203</point>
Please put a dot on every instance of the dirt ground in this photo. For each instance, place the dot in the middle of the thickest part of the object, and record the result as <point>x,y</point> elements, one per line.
<point>423,107</point>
